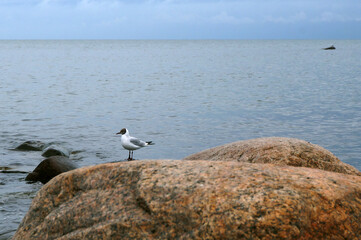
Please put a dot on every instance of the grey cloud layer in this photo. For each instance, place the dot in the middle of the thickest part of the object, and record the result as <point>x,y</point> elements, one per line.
<point>169,18</point>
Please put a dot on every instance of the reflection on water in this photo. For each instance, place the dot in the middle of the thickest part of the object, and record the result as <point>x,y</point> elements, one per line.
<point>185,96</point>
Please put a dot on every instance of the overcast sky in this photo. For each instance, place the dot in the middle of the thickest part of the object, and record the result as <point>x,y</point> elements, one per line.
<point>180,19</point>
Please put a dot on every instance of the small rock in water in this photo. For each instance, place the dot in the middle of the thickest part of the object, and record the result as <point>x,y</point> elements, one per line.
<point>5,168</point>
<point>31,146</point>
<point>50,168</point>
<point>55,150</point>
<point>330,48</point>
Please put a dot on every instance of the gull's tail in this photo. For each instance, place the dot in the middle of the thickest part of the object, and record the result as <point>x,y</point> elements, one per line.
<point>150,143</point>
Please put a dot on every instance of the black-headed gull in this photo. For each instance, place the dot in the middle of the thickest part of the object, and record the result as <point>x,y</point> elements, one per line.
<point>131,143</point>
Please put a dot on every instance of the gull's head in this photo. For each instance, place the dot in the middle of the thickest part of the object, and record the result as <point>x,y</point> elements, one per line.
<point>123,131</point>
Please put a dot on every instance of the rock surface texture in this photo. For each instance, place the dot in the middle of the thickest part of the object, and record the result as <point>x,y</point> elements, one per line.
<point>279,151</point>
<point>170,199</point>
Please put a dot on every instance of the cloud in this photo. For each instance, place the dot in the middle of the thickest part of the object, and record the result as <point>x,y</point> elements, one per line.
<point>334,17</point>
<point>225,18</point>
<point>297,17</point>
<point>165,18</point>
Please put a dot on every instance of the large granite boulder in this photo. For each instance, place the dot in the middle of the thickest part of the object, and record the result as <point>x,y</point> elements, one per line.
<point>195,200</point>
<point>279,151</point>
<point>50,168</point>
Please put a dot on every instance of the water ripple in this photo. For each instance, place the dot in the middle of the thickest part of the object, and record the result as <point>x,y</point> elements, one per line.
<point>183,95</point>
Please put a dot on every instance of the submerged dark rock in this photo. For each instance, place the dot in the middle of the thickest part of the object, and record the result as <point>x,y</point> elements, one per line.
<point>50,168</point>
<point>5,168</point>
<point>10,170</point>
<point>31,146</point>
<point>55,150</point>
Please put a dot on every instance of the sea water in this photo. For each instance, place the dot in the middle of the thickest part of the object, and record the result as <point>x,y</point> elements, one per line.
<point>186,96</point>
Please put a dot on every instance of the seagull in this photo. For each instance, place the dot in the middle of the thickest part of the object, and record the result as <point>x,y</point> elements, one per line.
<point>131,143</point>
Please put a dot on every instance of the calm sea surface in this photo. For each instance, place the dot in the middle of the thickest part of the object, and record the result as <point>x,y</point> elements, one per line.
<point>185,96</point>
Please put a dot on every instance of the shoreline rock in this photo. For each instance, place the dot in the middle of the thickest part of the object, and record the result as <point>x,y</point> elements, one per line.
<point>279,151</point>
<point>49,168</point>
<point>55,150</point>
<point>170,199</point>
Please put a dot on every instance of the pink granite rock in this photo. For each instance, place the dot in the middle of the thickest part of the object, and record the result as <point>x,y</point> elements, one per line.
<point>195,200</point>
<point>279,151</point>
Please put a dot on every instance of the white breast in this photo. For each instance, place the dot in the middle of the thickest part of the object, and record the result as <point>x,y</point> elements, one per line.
<point>125,141</point>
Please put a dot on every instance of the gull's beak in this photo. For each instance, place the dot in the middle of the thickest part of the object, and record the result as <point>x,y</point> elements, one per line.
<point>117,133</point>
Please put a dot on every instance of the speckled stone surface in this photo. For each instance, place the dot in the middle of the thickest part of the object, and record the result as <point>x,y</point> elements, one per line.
<point>277,150</point>
<point>172,199</point>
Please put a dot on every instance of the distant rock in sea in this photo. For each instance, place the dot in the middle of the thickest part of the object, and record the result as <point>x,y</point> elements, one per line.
<point>202,199</point>
<point>50,168</point>
<point>330,48</point>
